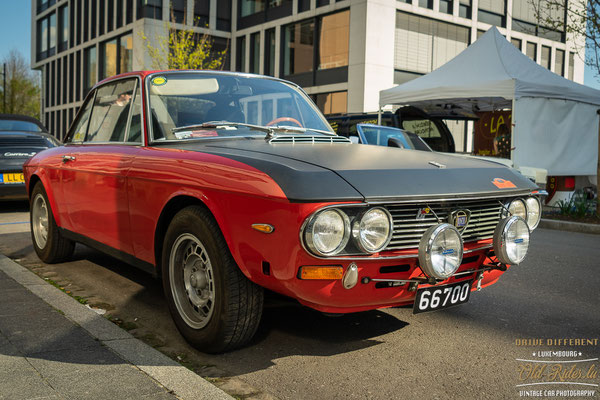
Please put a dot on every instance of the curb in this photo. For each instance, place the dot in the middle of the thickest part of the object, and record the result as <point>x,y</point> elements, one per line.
<point>182,382</point>
<point>569,226</point>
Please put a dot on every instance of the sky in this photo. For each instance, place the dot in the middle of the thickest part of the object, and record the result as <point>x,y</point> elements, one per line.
<point>15,31</point>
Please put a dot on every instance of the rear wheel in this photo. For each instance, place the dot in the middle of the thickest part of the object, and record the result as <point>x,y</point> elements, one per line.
<point>48,243</point>
<point>214,306</point>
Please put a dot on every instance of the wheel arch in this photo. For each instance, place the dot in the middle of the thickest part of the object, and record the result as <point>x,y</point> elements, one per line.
<point>33,180</point>
<point>175,204</point>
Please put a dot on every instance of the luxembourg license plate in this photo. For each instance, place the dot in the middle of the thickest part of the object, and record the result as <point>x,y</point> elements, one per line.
<point>438,297</point>
<point>10,178</point>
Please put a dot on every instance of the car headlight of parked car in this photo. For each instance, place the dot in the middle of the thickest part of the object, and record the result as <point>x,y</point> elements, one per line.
<point>511,240</point>
<point>373,231</point>
<point>530,209</point>
<point>327,232</point>
<point>440,251</point>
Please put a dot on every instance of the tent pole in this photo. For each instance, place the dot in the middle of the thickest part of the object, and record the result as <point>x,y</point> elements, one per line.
<point>379,116</point>
<point>512,130</point>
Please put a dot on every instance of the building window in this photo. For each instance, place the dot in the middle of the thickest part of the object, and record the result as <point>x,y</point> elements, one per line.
<point>333,40</point>
<point>546,56</point>
<point>270,52</point>
<point>66,76</point>
<point>308,61</point>
<point>532,51</point>
<point>149,9</point>
<point>249,7</point>
<point>446,6</point>
<point>321,3</point>
<point>423,44</point>
<point>559,62</point>
<point>119,16</point>
<point>426,4</point>
<point>255,53</point>
<point>86,20</point>
<point>241,54</point>
<point>93,26</point>
<point>201,12</point>
<point>464,9</point>
<point>46,36</point>
<point>178,11</point>
<point>401,77</point>
<point>303,5</point>
<point>116,56</point>
<point>224,15</point>
<point>44,4</point>
<point>110,15</point>
<point>492,12</point>
<point>129,12</point>
<point>298,47</point>
<point>102,6</point>
<point>571,65</point>
<point>63,28</point>
<point>90,68</point>
<point>332,103</point>
<point>516,42</point>
<point>525,19</point>
<point>79,18</point>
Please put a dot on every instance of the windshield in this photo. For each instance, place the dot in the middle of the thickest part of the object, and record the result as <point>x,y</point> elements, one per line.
<point>388,136</point>
<point>18,125</point>
<point>188,99</point>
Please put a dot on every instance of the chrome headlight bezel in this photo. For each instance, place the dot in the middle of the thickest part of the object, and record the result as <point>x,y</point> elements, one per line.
<point>506,210</point>
<point>533,224</point>
<point>357,231</point>
<point>308,233</point>
<point>426,246</point>
<point>500,239</point>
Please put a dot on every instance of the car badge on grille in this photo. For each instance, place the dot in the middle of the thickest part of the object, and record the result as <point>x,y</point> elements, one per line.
<point>422,212</point>
<point>460,219</point>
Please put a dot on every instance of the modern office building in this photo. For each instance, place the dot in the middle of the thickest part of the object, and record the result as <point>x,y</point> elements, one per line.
<point>341,52</point>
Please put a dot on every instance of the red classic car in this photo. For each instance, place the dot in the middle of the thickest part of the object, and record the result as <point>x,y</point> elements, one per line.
<point>226,184</point>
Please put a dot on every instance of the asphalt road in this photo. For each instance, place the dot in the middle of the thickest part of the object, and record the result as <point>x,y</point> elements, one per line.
<point>471,351</point>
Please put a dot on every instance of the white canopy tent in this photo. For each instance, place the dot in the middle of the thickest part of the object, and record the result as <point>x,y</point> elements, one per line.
<point>555,121</point>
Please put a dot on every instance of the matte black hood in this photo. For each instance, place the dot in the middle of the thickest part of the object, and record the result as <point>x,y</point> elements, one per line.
<point>344,171</point>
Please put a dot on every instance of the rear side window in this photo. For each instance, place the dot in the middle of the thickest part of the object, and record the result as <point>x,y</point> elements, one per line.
<point>17,125</point>
<point>110,115</point>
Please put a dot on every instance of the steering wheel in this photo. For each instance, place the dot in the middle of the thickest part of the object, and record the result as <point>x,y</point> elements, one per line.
<point>281,119</point>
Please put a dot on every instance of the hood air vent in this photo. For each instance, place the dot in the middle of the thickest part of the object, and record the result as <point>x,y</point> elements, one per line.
<point>309,139</point>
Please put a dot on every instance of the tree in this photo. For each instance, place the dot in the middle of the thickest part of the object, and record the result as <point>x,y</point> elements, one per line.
<point>184,49</point>
<point>22,87</point>
<point>580,19</point>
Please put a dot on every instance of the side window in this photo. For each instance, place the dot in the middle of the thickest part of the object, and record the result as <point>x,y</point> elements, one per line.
<point>110,114</point>
<point>77,134</point>
<point>135,127</point>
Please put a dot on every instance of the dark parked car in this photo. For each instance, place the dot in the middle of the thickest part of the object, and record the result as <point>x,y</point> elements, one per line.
<point>226,184</point>
<point>21,137</point>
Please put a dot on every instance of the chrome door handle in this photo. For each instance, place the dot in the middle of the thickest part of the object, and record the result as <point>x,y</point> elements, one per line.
<point>68,158</point>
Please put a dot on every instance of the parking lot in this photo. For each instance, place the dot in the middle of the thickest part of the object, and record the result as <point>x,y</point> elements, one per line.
<point>470,351</point>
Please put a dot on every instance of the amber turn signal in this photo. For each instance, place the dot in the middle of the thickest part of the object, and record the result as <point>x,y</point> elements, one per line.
<point>264,228</point>
<point>322,272</point>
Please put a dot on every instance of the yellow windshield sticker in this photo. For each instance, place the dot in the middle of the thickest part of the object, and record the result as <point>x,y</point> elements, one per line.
<point>159,80</point>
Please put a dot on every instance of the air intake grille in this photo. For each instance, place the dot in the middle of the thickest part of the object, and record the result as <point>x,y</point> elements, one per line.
<point>309,139</point>
<point>408,230</point>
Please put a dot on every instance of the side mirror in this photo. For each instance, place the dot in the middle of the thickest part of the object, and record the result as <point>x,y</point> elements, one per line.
<point>354,139</point>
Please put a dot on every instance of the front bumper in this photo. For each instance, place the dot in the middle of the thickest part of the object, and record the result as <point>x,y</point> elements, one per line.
<point>380,283</point>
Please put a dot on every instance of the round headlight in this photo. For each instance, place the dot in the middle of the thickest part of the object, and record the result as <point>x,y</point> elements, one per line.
<point>374,230</point>
<point>440,251</point>
<point>517,207</point>
<point>511,240</point>
<point>327,232</point>
<point>534,212</point>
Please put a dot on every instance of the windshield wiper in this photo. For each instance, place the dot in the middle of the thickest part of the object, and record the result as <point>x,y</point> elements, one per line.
<point>269,130</point>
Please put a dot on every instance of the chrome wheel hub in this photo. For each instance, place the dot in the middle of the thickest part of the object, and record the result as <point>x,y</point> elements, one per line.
<point>39,220</point>
<point>191,280</point>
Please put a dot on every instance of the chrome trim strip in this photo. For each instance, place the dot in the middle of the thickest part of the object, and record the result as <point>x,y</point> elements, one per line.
<point>464,196</point>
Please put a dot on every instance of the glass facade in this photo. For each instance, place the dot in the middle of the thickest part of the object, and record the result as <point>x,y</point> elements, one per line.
<point>546,57</point>
<point>90,65</point>
<point>109,58</point>
<point>532,51</point>
<point>516,42</point>
<point>241,54</point>
<point>201,12</point>
<point>269,52</point>
<point>63,28</point>
<point>178,11</point>
<point>332,103</point>
<point>149,9</point>
<point>249,7</point>
<point>126,54</point>
<point>334,40</point>
<point>298,47</point>
<point>571,65</point>
<point>255,53</point>
<point>559,62</point>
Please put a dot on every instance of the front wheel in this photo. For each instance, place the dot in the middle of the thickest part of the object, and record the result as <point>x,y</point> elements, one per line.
<point>214,306</point>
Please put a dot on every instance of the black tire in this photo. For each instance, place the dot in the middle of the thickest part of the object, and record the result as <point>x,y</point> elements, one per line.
<point>196,259</point>
<point>55,248</point>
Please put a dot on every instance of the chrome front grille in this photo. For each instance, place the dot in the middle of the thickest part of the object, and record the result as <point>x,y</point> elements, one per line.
<point>408,230</point>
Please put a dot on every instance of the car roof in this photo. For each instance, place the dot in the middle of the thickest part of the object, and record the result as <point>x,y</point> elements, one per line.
<point>26,118</point>
<point>144,74</point>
